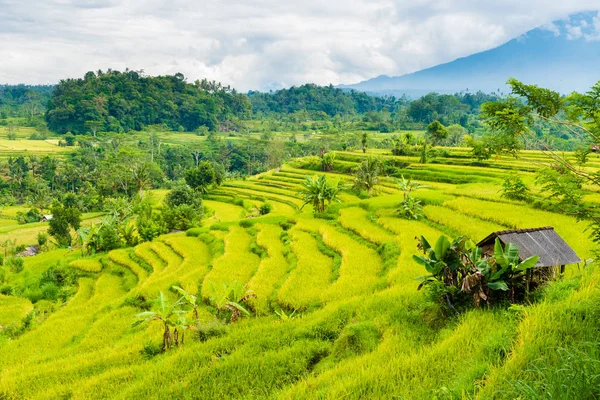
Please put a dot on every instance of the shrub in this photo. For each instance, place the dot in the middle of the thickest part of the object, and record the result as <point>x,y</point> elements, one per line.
<point>459,273</point>
<point>33,215</point>
<point>151,350</point>
<point>514,188</point>
<point>356,339</point>
<point>15,264</point>
<point>265,208</point>
<point>42,239</point>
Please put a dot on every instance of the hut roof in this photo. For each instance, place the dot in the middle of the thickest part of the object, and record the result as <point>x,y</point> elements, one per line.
<point>544,242</point>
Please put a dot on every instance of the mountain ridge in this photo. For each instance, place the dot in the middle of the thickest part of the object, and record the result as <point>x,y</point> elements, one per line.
<point>563,55</point>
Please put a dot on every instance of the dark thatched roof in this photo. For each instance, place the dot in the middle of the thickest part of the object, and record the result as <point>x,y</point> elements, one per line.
<point>544,242</point>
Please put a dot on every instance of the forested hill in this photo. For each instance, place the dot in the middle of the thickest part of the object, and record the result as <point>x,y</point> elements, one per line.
<point>23,100</point>
<point>325,99</point>
<point>122,101</point>
<point>115,101</point>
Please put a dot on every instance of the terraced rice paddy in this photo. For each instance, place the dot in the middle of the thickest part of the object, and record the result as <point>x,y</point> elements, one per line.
<point>358,326</point>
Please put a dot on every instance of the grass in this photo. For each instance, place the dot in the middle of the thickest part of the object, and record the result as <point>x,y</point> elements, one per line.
<point>312,273</point>
<point>13,310</point>
<point>272,268</point>
<point>87,265</point>
<point>237,264</point>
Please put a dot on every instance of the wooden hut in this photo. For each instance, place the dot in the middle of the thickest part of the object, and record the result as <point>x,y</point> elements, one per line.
<point>552,250</point>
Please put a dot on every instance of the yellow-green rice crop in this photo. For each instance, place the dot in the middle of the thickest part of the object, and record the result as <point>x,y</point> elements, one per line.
<point>238,264</point>
<point>272,268</point>
<point>355,219</point>
<point>469,226</point>
<point>309,280</point>
<point>87,264</point>
<point>13,309</point>
<point>359,269</point>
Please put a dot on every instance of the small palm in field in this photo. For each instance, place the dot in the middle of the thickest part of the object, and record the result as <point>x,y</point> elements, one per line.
<point>231,297</point>
<point>191,299</point>
<point>367,174</point>
<point>410,208</point>
<point>318,191</point>
<point>168,314</point>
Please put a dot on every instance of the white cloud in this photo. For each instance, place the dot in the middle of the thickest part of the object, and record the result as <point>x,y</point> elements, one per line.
<point>260,44</point>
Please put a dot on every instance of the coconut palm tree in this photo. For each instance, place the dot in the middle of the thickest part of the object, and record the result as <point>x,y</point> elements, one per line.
<point>367,173</point>
<point>318,191</point>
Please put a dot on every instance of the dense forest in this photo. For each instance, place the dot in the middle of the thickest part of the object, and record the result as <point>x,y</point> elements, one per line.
<point>25,101</point>
<point>326,99</point>
<point>122,101</point>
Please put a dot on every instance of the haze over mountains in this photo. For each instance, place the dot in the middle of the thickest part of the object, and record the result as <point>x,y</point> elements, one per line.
<point>563,55</point>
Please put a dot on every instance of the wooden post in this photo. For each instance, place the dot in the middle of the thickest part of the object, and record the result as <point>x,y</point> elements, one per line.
<point>562,270</point>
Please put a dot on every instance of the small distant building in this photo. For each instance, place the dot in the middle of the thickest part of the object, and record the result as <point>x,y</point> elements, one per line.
<point>552,250</point>
<point>46,218</point>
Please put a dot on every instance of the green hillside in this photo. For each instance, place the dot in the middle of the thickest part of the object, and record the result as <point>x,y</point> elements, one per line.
<point>337,313</point>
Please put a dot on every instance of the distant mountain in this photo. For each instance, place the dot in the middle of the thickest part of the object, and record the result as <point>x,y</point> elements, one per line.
<point>563,55</point>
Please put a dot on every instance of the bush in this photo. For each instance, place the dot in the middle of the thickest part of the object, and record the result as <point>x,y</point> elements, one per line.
<point>459,273</point>
<point>15,264</point>
<point>33,215</point>
<point>514,188</point>
<point>151,350</point>
<point>356,339</point>
<point>42,239</point>
<point>265,208</point>
<point>38,136</point>
<point>246,223</point>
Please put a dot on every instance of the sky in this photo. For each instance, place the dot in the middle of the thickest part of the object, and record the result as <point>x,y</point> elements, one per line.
<point>258,44</point>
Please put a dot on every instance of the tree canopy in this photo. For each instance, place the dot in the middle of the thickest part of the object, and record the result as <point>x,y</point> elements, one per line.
<point>123,101</point>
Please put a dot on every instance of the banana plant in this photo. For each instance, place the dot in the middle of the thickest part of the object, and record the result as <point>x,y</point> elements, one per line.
<point>167,314</point>
<point>507,259</point>
<point>191,299</point>
<point>231,297</point>
<point>442,261</point>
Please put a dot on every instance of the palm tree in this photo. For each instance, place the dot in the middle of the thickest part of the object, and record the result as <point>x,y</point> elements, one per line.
<point>367,173</point>
<point>166,314</point>
<point>319,190</point>
<point>363,142</point>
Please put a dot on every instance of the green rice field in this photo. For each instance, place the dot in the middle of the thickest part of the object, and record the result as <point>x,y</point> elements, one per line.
<point>337,313</point>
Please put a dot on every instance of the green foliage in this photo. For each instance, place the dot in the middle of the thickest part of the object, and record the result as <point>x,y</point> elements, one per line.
<point>437,132</point>
<point>318,191</point>
<point>14,264</point>
<point>514,188</point>
<point>129,101</point>
<point>33,215</point>
<point>63,220</point>
<point>201,177</point>
<point>461,273</point>
<point>563,186</point>
<point>229,299</point>
<point>410,207</point>
<point>265,208</point>
<point>366,175</point>
<point>171,316</point>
